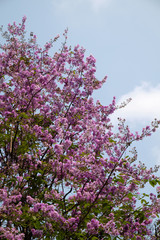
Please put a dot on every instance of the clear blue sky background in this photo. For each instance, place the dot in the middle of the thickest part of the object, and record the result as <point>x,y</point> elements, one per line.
<point>123,36</point>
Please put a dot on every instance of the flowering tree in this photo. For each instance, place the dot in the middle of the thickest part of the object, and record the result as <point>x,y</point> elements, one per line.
<point>64,172</point>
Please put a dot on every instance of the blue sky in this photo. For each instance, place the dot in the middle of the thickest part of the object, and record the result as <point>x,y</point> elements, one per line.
<point>123,36</point>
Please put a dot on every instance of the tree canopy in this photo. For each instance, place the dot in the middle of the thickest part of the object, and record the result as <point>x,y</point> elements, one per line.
<point>65,174</point>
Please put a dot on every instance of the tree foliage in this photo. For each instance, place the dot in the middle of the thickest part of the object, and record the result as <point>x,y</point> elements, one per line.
<point>64,172</point>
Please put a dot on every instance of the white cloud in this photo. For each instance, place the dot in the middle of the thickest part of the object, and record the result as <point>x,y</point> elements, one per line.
<point>141,111</point>
<point>144,107</point>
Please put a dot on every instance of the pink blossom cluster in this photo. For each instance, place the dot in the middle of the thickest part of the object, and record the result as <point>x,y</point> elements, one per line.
<point>64,172</point>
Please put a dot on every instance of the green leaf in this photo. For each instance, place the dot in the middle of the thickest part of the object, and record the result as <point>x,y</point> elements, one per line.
<point>120,179</point>
<point>158,181</point>
<point>73,146</point>
<point>145,195</point>
<point>111,140</point>
<point>130,195</point>
<point>143,201</point>
<point>153,182</point>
